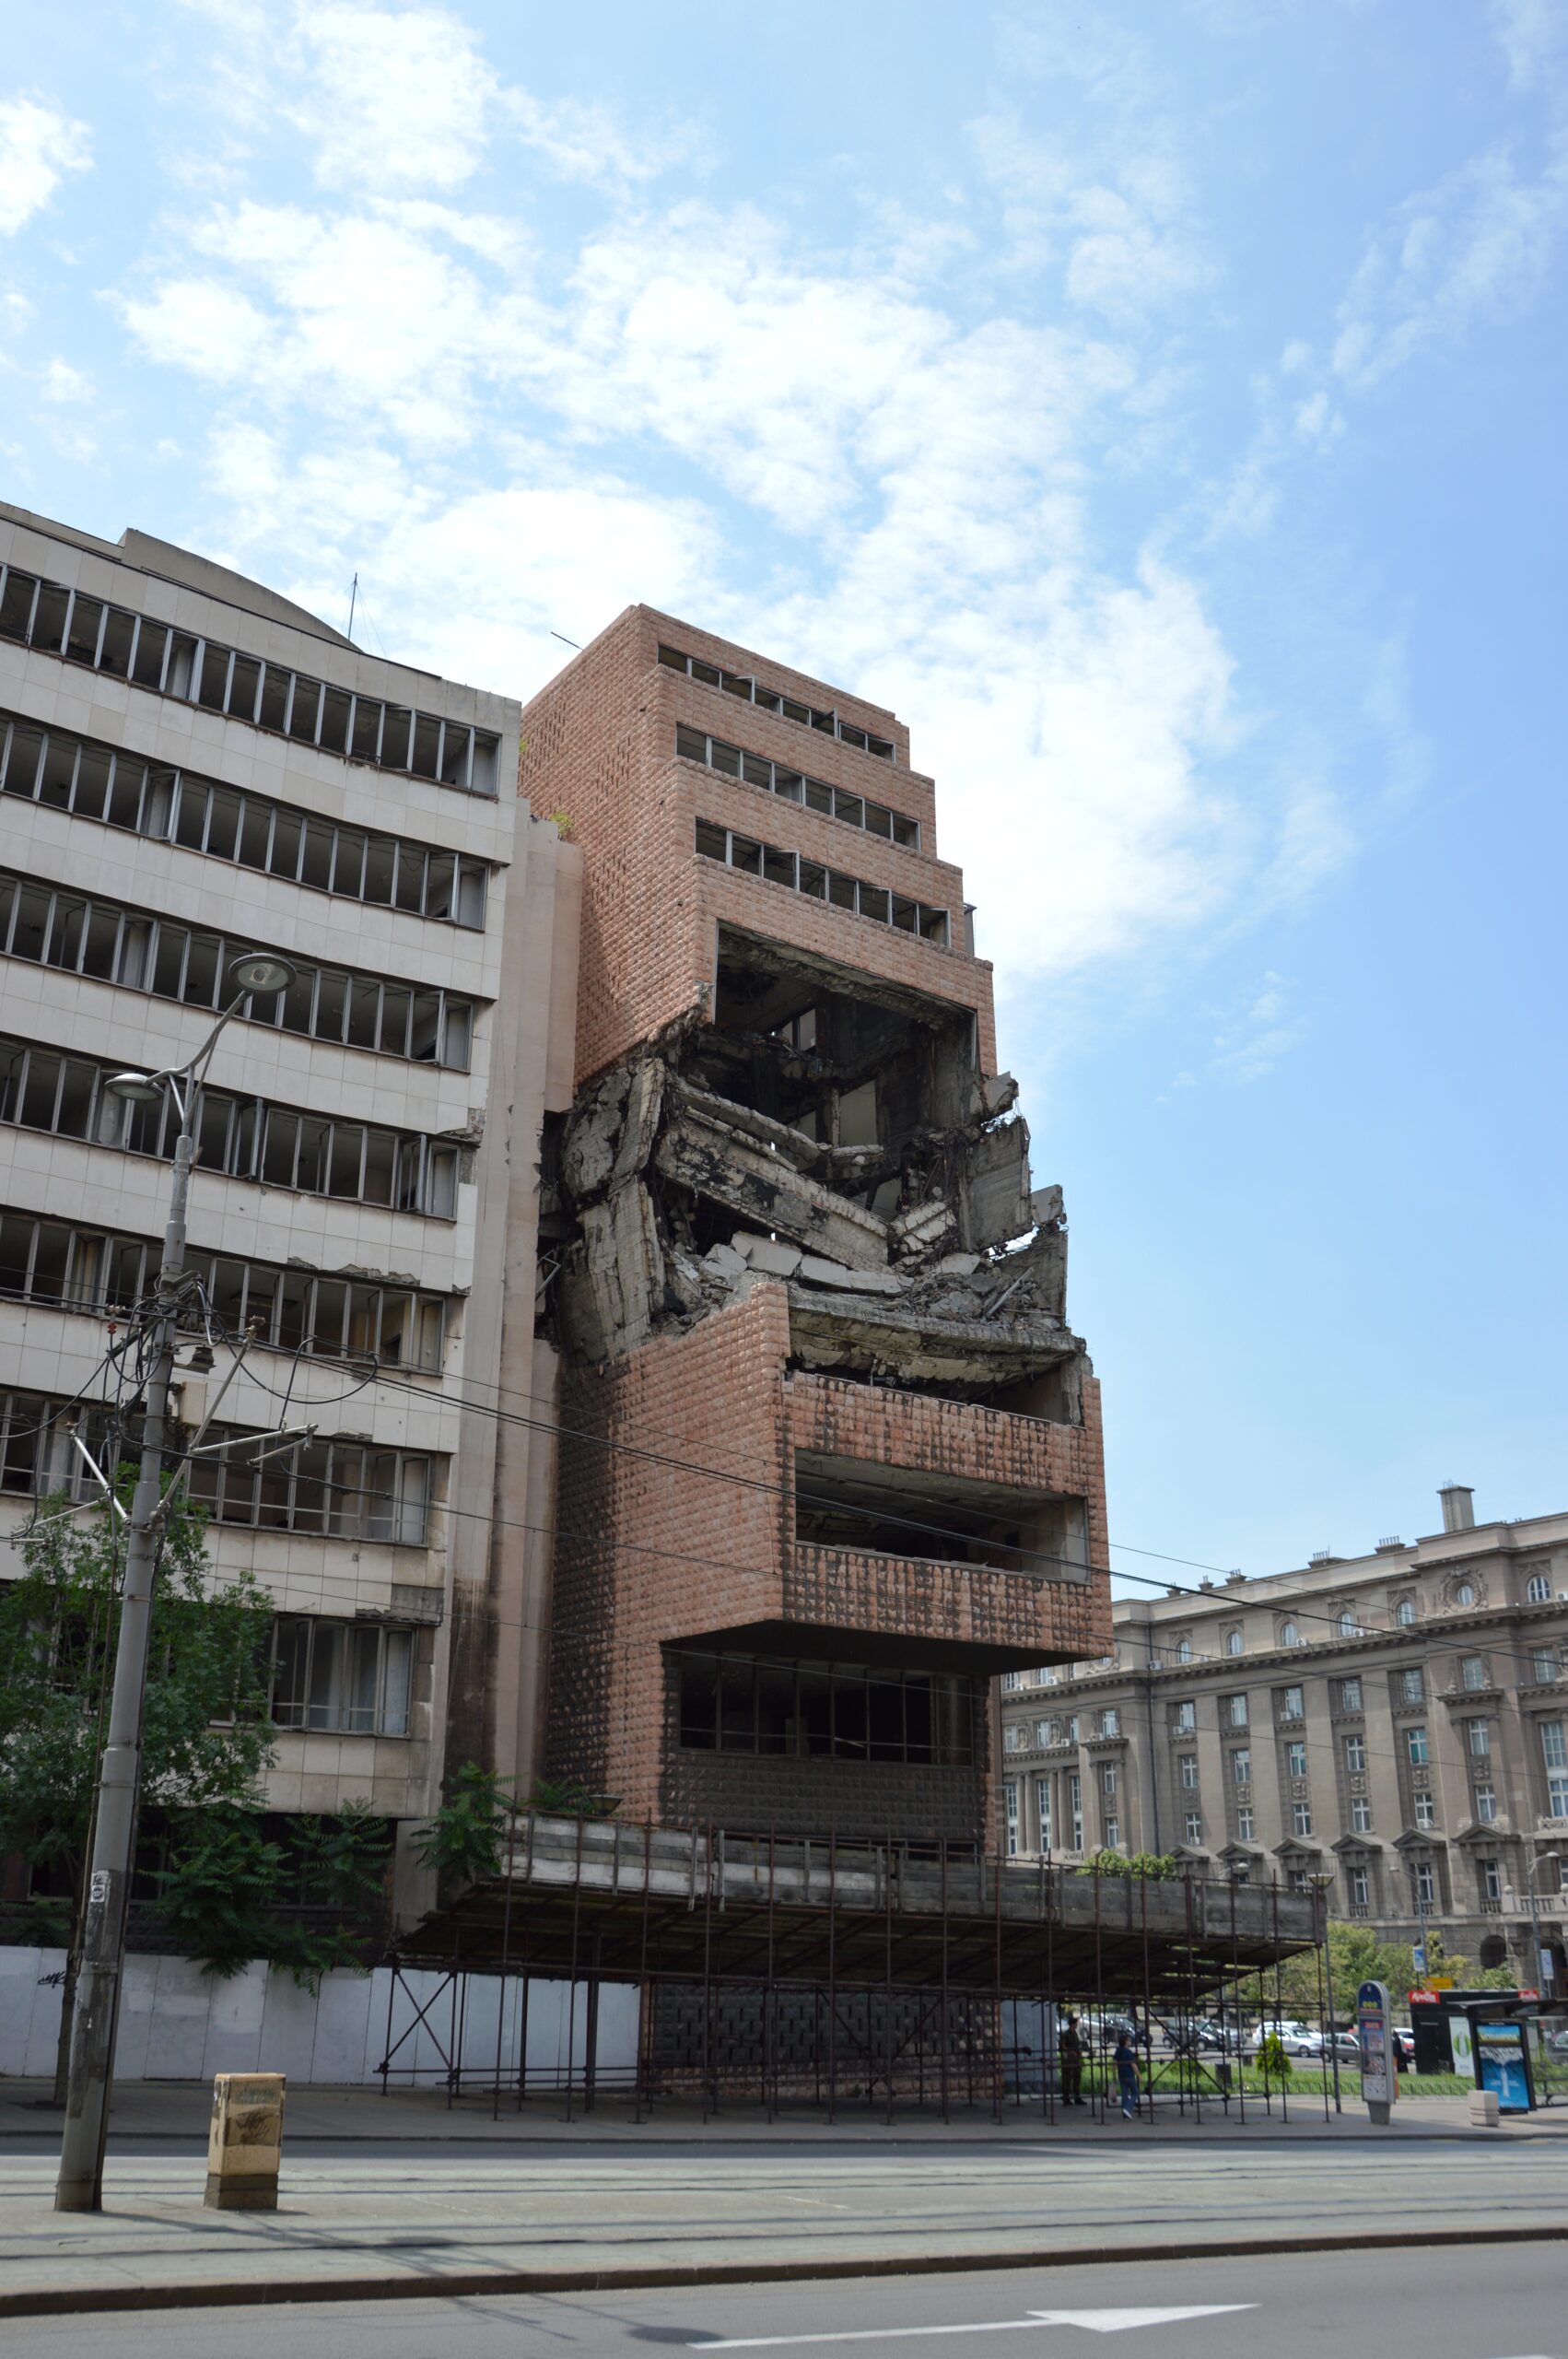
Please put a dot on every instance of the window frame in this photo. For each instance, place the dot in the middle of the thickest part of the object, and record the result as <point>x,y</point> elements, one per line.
<point>146,801</point>
<point>190,667</point>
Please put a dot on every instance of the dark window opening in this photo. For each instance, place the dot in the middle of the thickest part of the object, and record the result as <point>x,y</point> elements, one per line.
<point>825,1710</point>
<point>868,1508</point>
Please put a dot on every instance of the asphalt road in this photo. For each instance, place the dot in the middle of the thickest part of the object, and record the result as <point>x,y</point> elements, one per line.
<point>1485,2301</point>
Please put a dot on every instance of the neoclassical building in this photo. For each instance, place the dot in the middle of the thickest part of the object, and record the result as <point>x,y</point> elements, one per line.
<point>1395,1723</point>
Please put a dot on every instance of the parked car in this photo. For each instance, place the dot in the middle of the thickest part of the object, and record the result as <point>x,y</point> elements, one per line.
<point>1343,2043</point>
<point>1403,2041</point>
<point>1295,2039</point>
<point>1199,2034</point>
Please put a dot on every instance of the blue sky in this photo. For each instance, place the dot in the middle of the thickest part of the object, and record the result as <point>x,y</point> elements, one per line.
<point>1159,404</point>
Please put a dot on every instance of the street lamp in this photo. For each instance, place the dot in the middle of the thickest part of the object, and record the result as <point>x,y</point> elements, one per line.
<point>80,2184</point>
<point>1540,1959</point>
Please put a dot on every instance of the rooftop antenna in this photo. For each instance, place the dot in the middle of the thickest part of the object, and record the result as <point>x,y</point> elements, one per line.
<point>353,594</point>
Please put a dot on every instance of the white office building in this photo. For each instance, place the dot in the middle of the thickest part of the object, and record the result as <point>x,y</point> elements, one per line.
<point>192,768</point>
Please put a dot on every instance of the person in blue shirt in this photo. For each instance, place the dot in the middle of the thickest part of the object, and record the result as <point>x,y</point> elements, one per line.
<point>1125,2061</point>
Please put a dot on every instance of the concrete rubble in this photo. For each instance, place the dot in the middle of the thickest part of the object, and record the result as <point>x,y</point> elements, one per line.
<point>919,1255</point>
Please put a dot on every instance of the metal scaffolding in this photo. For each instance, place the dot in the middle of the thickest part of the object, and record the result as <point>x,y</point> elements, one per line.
<point>775,1972</point>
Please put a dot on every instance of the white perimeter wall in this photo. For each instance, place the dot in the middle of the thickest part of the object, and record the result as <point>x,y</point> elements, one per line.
<point>177,2023</point>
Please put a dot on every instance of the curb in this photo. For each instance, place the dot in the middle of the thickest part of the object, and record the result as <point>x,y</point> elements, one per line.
<point>235,2294</point>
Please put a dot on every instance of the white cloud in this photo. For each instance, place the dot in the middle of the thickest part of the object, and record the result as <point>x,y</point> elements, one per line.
<point>1474,247</point>
<point>61,382</point>
<point>584,141</point>
<point>38,145</point>
<point>1253,1039</point>
<point>1533,36</point>
<point>1117,227</point>
<point>200,324</point>
<point>886,481</point>
<point>472,584</point>
<point>368,310</point>
<point>390,98</point>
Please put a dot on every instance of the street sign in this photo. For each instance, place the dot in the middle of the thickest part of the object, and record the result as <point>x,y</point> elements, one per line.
<point>1379,2074</point>
<point>1417,1958</point>
<point>1440,1982</point>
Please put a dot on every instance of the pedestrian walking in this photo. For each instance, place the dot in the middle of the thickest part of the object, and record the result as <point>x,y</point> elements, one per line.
<point>1125,2061</point>
<point>1069,2048</point>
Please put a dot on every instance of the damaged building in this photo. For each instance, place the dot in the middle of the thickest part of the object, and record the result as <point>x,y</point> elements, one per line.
<point>830,1452</point>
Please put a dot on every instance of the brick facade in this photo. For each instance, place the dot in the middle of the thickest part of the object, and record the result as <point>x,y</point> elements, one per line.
<point>676,1530</point>
<point>598,753</point>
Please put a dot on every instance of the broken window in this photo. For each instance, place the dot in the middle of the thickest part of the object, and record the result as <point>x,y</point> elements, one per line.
<point>802,1039</point>
<point>792,786</point>
<point>824,1710</point>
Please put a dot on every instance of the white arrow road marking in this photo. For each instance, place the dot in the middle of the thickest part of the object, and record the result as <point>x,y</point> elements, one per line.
<point>1095,2321</point>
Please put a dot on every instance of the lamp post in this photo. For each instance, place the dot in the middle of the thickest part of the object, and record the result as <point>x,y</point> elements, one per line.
<point>79,2187</point>
<point>1539,1959</point>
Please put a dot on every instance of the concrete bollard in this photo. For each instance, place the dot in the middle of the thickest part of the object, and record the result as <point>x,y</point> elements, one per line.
<point>245,2142</point>
<point>1483,2109</point>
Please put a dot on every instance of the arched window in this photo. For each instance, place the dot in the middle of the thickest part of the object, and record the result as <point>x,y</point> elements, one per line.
<point>1289,1635</point>
<point>1347,1625</point>
<point>1538,1589</point>
<point>1465,1593</point>
<point>1233,1642</point>
<point>1405,1611</point>
<point>1184,1650</point>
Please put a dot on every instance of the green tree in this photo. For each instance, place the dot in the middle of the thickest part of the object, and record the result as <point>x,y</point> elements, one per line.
<point>464,1841</point>
<point>206,1736</point>
<point>229,1895</point>
<point>1156,1865</point>
<point>340,1870</point>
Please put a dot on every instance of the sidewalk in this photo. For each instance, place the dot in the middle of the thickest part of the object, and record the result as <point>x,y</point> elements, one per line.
<point>422,2200</point>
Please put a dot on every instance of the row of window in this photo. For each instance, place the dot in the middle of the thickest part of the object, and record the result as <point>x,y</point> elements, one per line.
<point>117,944</point>
<point>1422,1872</point>
<point>171,662</point>
<point>802,875</point>
<point>246,1138</point>
<point>1418,1757</point>
<point>1180,1650</point>
<point>736,1704</point>
<point>351,1677</point>
<point>1106,1722</point>
<point>97,781</point>
<point>736,684</point>
<point>793,786</point>
<point>1348,1694</point>
<point>345,1490</point>
<point>47,1262</point>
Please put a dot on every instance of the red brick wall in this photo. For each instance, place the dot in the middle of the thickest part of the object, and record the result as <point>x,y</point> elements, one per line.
<point>650,1552</point>
<point>598,747</point>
